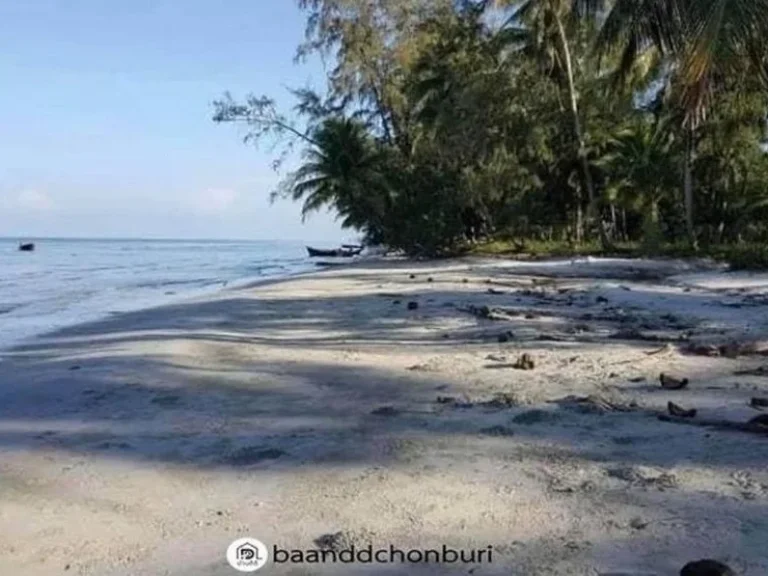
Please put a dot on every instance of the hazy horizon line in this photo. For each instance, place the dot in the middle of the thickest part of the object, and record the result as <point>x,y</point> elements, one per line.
<point>162,239</point>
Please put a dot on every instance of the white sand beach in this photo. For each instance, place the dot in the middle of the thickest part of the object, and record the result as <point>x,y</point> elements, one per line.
<point>144,444</point>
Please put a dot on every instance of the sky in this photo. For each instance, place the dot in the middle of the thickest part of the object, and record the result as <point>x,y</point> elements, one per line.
<point>105,119</point>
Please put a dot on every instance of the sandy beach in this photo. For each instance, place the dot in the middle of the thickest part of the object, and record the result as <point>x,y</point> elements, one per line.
<point>293,411</point>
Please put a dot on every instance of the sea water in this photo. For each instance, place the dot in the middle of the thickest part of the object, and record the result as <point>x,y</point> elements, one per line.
<point>65,281</point>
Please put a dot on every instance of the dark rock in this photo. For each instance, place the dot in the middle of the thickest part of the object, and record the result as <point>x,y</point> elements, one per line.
<point>75,367</point>
<point>706,568</point>
<point>482,311</point>
<point>502,338</point>
<point>638,523</point>
<point>430,279</point>
<point>385,411</point>
<point>637,379</point>
<point>601,300</point>
<point>525,362</point>
<point>446,400</point>
<point>679,411</point>
<point>412,276</point>
<point>757,402</point>
<point>413,305</point>
<point>670,383</point>
<point>637,477</point>
<point>395,301</point>
<point>759,422</point>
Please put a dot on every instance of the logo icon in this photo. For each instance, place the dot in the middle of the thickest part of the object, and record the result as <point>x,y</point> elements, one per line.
<point>247,555</point>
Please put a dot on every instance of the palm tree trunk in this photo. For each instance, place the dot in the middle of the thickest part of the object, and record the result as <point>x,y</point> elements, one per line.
<point>579,134</point>
<point>688,188</point>
<point>624,232</point>
<point>579,225</point>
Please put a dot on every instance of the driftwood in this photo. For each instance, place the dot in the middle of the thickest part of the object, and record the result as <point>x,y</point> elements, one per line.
<point>488,313</point>
<point>715,423</point>
<point>759,371</point>
<point>595,403</point>
<point>666,348</point>
<point>730,349</point>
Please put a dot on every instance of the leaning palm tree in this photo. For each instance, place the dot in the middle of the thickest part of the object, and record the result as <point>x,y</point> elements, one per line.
<point>341,171</point>
<point>703,43</point>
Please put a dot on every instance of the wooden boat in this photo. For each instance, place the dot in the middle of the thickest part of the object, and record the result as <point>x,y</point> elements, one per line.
<point>344,252</point>
<point>27,247</point>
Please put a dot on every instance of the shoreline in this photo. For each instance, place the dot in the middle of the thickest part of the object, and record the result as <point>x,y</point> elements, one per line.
<point>157,302</point>
<point>321,404</point>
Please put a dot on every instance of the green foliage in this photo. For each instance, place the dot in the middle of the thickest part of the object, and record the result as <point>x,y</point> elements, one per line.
<point>542,123</point>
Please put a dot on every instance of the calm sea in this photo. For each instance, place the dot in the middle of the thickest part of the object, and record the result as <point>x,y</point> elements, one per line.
<point>65,281</point>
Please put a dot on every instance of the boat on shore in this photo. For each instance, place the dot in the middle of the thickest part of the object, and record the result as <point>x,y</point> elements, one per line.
<point>346,251</point>
<point>27,247</point>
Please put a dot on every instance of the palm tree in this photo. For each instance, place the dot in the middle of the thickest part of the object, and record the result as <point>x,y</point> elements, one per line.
<point>704,42</point>
<point>640,162</point>
<point>551,24</point>
<point>341,170</point>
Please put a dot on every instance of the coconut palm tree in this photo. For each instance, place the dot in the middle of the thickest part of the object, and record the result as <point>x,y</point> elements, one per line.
<point>703,42</point>
<point>552,26</point>
<point>341,170</point>
<point>640,162</point>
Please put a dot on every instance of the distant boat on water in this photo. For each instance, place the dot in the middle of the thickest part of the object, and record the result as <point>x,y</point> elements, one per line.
<point>346,251</point>
<point>27,247</point>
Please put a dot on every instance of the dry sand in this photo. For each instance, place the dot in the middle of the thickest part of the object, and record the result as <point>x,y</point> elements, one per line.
<point>144,444</point>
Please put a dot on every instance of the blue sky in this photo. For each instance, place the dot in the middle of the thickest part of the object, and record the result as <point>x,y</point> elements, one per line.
<point>105,125</point>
